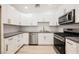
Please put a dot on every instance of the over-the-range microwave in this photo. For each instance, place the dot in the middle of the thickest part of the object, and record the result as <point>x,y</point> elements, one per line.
<point>67,18</point>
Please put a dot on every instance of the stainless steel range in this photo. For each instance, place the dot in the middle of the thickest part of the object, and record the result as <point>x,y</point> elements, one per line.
<point>59,39</point>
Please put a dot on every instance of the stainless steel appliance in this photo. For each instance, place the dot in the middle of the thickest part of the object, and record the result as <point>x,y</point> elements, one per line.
<point>59,38</point>
<point>33,38</point>
<point>59,42</point>
<point>67,18</point>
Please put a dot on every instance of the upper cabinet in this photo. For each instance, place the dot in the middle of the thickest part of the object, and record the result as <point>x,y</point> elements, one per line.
<point>13,16</point>
<point>27,21</point>
<point>10,15</point>
<point>4,14</point>
<point>76,13</point>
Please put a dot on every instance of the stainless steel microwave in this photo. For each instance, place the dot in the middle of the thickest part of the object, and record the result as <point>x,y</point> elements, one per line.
<point>67,18</point>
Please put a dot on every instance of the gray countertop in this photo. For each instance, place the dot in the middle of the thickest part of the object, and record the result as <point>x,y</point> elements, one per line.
<point>75,39</point>
<point>12,34</point>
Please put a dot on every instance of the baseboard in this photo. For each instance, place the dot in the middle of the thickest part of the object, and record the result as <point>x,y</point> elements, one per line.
<point>19,48</point>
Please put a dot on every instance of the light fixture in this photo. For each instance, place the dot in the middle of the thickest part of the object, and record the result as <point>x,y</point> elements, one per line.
<point>26,7</point>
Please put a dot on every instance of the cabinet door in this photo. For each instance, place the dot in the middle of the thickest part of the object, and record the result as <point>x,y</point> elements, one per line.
<point>77,15</point>
<point>4,14</point>
<point>41,38</point>
<point>25,38</point>
<point>49,38</point>
<point>45,38</point>
<point>10,45</point>
<point>16,42</point>
<point>12,15</point>
<point>70,47</point>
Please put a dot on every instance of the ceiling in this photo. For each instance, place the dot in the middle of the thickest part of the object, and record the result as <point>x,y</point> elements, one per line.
<point>30,8</point>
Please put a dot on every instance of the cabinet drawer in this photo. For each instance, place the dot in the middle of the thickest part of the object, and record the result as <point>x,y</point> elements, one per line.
<point>70,42</point>
<point>70,47</point>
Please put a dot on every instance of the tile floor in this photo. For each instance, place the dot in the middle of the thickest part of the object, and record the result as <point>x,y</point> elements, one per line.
<point>37,50</point>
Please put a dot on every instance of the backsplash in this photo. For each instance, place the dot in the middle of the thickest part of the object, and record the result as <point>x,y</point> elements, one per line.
<point>74,26</point>
<point>11,29</point>
<point>38,29</point>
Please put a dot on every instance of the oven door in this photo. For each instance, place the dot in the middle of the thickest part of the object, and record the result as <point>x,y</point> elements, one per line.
<point>59,45</point>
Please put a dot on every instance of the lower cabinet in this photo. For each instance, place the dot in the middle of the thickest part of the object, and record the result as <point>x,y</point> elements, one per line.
<point>12,44</point>
<point>25,38</point>
<point>45,38</point>
<point>72,47</point>
<point>9,45</point>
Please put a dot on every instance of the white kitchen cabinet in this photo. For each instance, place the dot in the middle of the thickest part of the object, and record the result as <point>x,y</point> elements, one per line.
<point>25,38</point>
<point>72,47</point>
<point>19,41</point>
<point>10,15</point>
<point>76,13</point>
<point>9,45</point>
<point>68,8</point>
<point>12,44</point>
<point>45,38</point>
<point>4,14</point>
<point>24,20</point>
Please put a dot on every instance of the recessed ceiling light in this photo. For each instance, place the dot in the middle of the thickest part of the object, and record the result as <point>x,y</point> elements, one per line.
<point>26,7</point>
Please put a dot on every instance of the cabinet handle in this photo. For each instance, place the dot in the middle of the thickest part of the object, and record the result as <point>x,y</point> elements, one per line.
<point>69,43</point>
<point>6,47</point>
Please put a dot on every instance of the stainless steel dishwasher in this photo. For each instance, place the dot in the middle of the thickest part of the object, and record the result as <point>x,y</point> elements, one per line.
<point>33,38</point>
